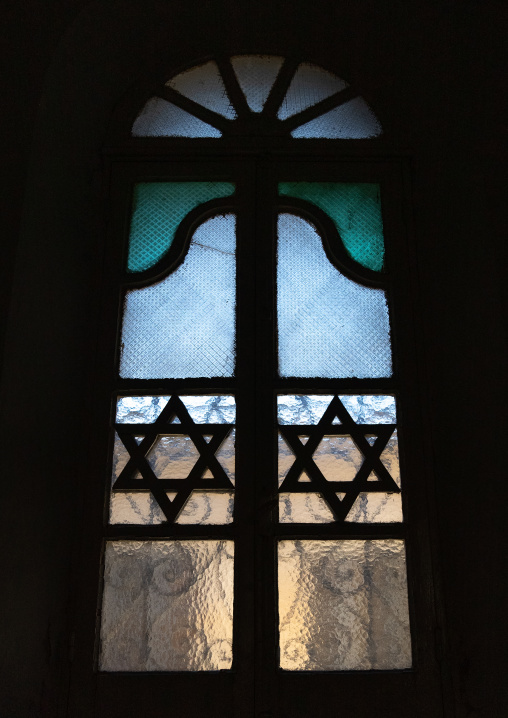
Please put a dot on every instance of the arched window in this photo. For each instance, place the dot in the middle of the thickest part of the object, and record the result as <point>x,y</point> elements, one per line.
<point>258,515</point>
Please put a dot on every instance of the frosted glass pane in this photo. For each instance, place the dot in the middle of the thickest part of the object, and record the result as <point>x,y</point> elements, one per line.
<point>204,85</point>
<point>310,85</point>
<point>184,326</point>
<point>343,605</point>
<point>328,325</point>
<point>309,408</point>
<point>202,507</point>
<point>158,209</point>
<point>256,75</point>
<point>160,118</point>
<point>356,212</point>
<point>167,606</point>
<point>337,458</point>
<point>202,409</point>
<point>353,120</point>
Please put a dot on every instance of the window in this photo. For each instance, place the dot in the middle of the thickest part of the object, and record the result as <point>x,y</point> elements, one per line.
<point>258,521</point>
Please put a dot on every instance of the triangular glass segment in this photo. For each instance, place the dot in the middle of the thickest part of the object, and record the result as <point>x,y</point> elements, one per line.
<point>204,85</point>
<point>304,478</point>
<point>340,495</point>
<point>336,420</point>
<point>310,85</point>
<point>256,75</point>
<point>207,437</point>
<point>137,475</point>
<point>303,439</point>
<point>160,118</point>
<point>207,475</point>
<point>353,120</point>
<point>175,420</point>
<point>372,477</point>
<point>138,439</point>
<point>371,439</point>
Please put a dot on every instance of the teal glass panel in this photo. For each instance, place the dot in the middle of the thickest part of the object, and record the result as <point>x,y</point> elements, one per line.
<point>158,209</point>
<point>356,212</point>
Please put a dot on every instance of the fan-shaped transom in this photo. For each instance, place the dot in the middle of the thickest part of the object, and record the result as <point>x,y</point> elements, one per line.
<point>256,95</point>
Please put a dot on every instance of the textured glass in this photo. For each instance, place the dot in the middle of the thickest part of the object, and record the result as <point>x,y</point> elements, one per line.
<point>160,118</point>
<point>363,408</point>
<point>256,75</point>
<point>158,209</point>
<point>310,85</point>
<point>202,409</point>
<point>343,605</point>
<point>356,212</point>
<point>172,457</point>
<point>184,326</point>
<point>204,85</point>
<point>354,120</point>
<point>328,325</point>
<point>167,606</point>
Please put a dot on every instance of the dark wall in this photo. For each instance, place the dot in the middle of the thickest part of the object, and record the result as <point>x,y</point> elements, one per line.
<point>434,73</point>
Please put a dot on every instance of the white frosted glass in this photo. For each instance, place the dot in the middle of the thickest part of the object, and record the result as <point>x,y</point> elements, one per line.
<point>309,408</point>
<point>160,118</point>
<point>310,85</point>
<point>204,85</point>
<point>343,605</point>
<point>328,325</point>
<point>353,120</point>
<point>256,75</point>
<point>167,606</point>
<point>184,325</point>
<point>202,507</point>
<point>215,409</point>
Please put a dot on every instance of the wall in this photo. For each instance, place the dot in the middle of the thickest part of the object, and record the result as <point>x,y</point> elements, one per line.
<point>434,72</point>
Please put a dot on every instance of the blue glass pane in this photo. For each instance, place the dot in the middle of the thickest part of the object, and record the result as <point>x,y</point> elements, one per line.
<point>356,212</point>
<point>158,209</point>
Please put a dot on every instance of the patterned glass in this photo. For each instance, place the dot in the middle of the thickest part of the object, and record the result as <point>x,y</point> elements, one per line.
<point>339,459</point>
<point>256,75</point>
<point>328,325</point>
<point>204,85</point>
<point>356,212</point>
<point>172,457</point>
<point>184,325</point>
<point>160,118</point>
<point>343,605</point>
<point>354,120</point>
<point>158,209</point>
<point>167,606</point>
<point>310,85</point>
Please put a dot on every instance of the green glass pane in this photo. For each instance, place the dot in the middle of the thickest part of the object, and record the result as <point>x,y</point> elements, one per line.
<point>158,209</point>
<point>356,211</point>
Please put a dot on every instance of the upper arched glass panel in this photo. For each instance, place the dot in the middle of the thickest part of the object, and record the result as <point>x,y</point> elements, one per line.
<point>248,93</point>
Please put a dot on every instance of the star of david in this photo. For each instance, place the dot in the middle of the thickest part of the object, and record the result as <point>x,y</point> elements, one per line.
<point>328,489</point>
<point>163,426</point>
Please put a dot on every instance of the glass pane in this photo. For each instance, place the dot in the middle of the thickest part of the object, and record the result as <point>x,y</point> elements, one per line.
<point>343,605</point>
<point>167,606</point>
<point>202,409</point>
<point>328,325</point>
<point>160,118</point>
<point>310,85</point>
<point>256,75</point>
<point>356,212</point>
<point>353,120</point>
<point>158,209</point>
<point>204,85</point>
<point>184,326</point>
<point>172,456</point>
<point>339,458</point>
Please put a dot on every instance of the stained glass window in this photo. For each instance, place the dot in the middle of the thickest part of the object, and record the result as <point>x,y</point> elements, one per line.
<point>214,392</point>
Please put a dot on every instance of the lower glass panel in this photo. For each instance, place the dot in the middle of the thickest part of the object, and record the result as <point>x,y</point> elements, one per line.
<point>167,606</point>
<point>343,605</point>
